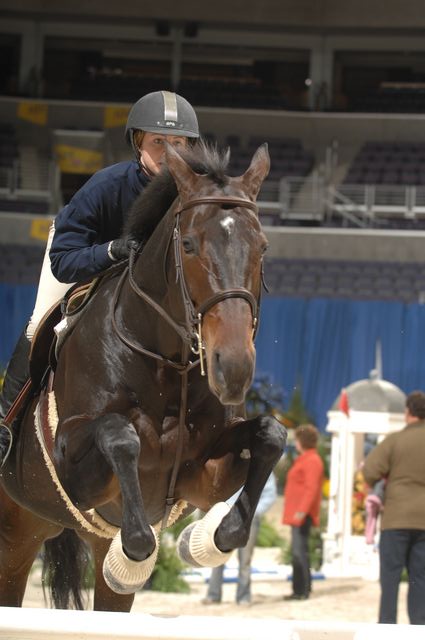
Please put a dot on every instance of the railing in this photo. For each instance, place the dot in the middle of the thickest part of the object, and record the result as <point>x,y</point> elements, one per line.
<point>296,199</point>
<point>281,201</point>
<point>107,625</point>
<point>41,184</point>
<point>376,201</point>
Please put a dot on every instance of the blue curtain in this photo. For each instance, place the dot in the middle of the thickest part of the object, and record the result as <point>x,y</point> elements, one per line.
<point>319,345</point>
<point>16,304</point>
<point>323,345</point>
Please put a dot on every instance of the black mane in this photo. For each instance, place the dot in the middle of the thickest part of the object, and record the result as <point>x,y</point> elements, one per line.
<point>152,204</point>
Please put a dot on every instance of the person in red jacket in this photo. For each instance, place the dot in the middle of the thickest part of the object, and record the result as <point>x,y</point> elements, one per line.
<point>303,493</point>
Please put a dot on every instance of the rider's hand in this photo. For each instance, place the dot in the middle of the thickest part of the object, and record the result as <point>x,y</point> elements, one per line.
<point>120,248</point>
<point>299,516</point>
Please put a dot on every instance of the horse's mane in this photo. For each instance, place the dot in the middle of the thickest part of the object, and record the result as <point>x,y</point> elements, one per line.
<point>152,204</point>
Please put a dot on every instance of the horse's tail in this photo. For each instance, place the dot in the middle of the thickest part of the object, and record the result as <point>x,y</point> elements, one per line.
<point>65,561</point>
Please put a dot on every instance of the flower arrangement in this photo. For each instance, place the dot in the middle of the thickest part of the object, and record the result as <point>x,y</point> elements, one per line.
<point>264,396</point>
<point>358,508</point>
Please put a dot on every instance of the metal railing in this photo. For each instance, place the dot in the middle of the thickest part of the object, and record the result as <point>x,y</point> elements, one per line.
<point>40,183</point>
<point>362,206</point>
<point>280,201</point>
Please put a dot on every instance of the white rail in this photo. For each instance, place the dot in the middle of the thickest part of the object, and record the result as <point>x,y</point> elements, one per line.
<point>49,624</point>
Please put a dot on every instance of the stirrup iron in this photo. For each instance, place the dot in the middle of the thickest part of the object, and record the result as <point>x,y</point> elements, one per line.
<point>9,447</point>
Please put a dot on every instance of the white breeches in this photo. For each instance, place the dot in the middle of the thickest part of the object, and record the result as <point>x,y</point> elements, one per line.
<point>49,291</point>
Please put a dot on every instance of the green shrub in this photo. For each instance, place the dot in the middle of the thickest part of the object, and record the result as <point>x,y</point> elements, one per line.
<point>268,536</point>
<point>178,527</point>
<point>166,576</point>
<point>315,548</point>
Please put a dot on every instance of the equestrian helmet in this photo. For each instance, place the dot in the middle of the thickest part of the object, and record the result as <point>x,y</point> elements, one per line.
<point>162,112</point>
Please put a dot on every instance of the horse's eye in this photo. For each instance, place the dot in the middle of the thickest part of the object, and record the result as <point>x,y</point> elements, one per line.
<point>264,248</point>
<point>188,245</point>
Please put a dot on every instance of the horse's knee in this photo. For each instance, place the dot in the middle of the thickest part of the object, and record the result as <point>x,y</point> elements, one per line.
<point>118,437</point>
<point>272,436</point>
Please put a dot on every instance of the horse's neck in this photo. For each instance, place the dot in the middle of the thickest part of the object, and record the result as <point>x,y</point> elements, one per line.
<point>151,262</point>
<point>142,317</point>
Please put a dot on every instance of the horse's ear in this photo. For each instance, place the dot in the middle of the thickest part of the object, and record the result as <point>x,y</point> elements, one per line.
<point>257,171</point>
<point>185,178</point>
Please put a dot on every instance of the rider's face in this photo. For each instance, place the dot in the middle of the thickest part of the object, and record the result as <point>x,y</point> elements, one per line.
<point>152,150</point>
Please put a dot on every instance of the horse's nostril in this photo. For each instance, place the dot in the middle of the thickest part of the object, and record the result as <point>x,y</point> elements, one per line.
<point>219,374</point>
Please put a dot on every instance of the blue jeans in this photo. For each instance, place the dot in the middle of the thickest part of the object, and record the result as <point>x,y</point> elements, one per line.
<point>301,577</point>
<point>400,548</point>
<point>243,590</point>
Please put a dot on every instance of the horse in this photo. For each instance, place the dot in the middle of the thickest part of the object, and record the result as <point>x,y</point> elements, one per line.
<point>145,410</point>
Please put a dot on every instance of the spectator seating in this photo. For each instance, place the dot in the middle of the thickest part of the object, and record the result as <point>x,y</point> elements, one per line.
<point>20,264</point>
<point>393,98</point>
<point>243,91</point>
<point>388,163</point>
<point>288,159</point>
<point>346,279</point>
<point>9,151</point>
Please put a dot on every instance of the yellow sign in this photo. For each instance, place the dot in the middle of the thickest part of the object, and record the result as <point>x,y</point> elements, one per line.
<point>40,228</point>
<point>34,112</point>
<point>77,160</point>
<point>115,117</point>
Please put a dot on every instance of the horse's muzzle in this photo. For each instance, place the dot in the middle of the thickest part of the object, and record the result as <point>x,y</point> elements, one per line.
<point>230,374</point>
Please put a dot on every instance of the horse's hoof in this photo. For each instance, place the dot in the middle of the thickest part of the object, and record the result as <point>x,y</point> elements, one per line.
<point>195,544</point>
<point>123,575</point>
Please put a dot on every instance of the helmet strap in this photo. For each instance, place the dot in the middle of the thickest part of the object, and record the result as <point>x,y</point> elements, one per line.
<point>135,147</point>
<point>144,168</point>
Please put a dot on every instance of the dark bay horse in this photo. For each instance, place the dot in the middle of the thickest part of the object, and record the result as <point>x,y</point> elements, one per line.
<point>146,408</point>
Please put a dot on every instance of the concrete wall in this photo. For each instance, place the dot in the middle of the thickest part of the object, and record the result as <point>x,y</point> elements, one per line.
<point>285,242</point>
<point>321,14</point>
<point>316,130</point>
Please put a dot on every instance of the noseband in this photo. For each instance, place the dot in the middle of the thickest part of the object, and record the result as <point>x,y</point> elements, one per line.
<point>191,333</point>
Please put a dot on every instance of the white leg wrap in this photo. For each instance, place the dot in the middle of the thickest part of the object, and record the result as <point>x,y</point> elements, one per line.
<point>123,575</point>
<point>195,544</point>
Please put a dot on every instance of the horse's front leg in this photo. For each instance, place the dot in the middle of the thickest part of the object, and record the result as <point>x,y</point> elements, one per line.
<point>91,459</point>
<point>260,442</point>
<point>267,442</point>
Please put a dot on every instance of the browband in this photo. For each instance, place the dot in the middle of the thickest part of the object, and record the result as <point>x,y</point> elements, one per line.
<point>227,200</point>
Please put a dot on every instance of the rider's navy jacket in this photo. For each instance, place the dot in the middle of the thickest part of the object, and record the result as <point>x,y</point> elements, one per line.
<point>92,218</point>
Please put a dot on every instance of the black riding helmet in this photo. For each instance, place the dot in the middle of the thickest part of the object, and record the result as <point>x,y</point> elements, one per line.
<point>162,112</point>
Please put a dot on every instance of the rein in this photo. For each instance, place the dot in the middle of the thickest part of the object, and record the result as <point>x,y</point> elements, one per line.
<point>191,333</point>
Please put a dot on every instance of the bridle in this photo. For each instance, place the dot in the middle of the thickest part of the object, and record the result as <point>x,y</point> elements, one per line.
<point>191,332</point>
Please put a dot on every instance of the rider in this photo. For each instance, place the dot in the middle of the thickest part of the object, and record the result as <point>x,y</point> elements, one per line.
<point>85,236</point>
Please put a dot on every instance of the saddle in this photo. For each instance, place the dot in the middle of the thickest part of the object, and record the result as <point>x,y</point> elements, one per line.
<point>54,328</point>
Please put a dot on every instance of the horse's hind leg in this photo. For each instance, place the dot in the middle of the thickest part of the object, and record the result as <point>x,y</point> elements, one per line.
<point>110,447</point>
<point>21,536</point>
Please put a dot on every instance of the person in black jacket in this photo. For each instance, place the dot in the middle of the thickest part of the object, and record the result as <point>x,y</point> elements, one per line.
<point>85,237</point>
